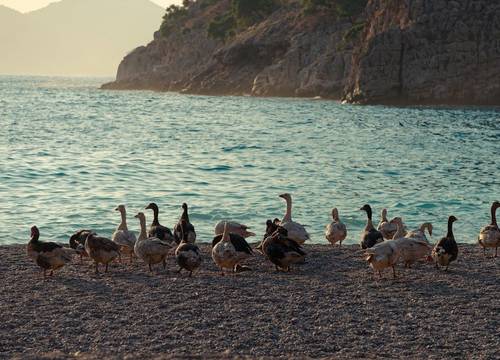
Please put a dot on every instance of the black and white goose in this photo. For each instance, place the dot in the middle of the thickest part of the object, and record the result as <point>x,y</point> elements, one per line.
<point>157,230</point>
<point>188,228</point>
<point>446,250</point>
<point>370,236</point>
<point>229,250</point>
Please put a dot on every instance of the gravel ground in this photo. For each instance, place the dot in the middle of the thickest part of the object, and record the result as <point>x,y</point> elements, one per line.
<point>328,307</point>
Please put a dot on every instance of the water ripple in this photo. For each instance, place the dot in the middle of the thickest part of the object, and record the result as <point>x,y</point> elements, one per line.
<point>70,153</point>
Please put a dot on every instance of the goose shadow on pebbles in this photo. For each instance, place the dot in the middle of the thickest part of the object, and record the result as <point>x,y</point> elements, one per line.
<point>329,306</point>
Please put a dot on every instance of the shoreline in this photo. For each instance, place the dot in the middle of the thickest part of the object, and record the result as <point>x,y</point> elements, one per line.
<point>393,102</point>
<point>329,306</point>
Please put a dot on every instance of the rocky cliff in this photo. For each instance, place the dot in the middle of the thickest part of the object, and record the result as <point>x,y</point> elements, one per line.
<point>394,51</point>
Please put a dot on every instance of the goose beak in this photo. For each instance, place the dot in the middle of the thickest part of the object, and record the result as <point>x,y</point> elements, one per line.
<point>116,209</point>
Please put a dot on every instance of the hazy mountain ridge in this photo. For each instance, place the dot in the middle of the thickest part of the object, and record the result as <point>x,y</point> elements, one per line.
<point>75,37</point>
<point>393,51</point>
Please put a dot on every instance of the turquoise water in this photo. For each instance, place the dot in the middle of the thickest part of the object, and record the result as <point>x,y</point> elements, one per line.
<point>69,153</point>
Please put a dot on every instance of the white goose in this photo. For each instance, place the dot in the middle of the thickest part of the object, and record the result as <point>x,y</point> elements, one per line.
<point>336,231</point>
<point>420,232</point>
<point>150,249</point>
<point>383,255</point>
<point>296,231</point>
<point>385,226</point>
<point>122,236</point>
<point>411,249</point>
<point>234,228</point>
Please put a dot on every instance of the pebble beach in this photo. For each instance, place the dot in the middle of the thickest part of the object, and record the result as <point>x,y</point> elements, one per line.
<point>328,307</point>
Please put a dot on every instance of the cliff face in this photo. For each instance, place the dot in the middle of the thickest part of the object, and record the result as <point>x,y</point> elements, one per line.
<point>397,51</point>
<point>428,51</point>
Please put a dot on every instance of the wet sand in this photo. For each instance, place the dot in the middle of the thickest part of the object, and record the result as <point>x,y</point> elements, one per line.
<point>328,307</point>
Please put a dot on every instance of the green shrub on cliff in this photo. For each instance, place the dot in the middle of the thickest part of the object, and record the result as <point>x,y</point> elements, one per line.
<point>173,16</point>
<point>342,8</point>
<point>248,12</point>
<point>222,27</point>
<point>243,13</point>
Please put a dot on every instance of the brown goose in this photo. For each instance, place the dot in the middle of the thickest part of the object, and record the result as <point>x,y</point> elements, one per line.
<point>77,242</point>
<point>282,251</point>
<point>446,250</point>
<point>187,254</point>
<point>47,255</point>
<point>489,236</point>
<point>188,228</point>
<point>369,236</point>
<point>101,250</point>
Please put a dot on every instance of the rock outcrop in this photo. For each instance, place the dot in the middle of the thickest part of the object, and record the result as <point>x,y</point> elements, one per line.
<point>428,52</point>
<point>396,52</point>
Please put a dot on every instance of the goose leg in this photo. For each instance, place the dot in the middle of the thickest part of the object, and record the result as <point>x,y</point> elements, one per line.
<point>221,272</point>
<point>44,273</point>
<point>164,264</point>
<point>150,269</point>
<point>51,272</point>
<point>190,274</point>
<point>446,268</point>
<point>106,270</point>
<point>496,251</point>
<point>179,271</point>
<point>393,272</point>
<point>96,267</point>
<point>484,251</point>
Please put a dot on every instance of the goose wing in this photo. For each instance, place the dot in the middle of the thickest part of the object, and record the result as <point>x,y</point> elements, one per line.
<point>216,239</point>
<point>78,238</point>
<point>105,244</point>
<point>161,232</point>
<point>240,244</point>
<point>296,231</point>
<point>124,238</point>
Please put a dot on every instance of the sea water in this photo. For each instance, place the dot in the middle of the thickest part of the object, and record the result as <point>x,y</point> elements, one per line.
<point>70,153</point>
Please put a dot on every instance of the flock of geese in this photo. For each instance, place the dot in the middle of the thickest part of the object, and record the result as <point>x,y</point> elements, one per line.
<point>383,247</point>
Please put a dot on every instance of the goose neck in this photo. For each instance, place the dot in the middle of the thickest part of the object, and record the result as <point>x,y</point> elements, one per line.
<point>449,234</point>
<point>288,213</point>
<point>494,208</point>
<point>123,223</point>
<point>142,235</point>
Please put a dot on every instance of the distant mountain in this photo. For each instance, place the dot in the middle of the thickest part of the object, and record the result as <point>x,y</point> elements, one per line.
<point>75,37</point>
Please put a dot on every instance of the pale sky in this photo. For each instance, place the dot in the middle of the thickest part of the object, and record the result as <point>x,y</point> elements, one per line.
<point>29,5</point>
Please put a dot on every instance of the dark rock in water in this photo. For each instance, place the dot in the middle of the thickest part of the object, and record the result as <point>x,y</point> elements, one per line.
<point>397,52</point>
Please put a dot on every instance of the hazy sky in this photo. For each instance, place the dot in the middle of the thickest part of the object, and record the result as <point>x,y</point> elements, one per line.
<point>28,5</point>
